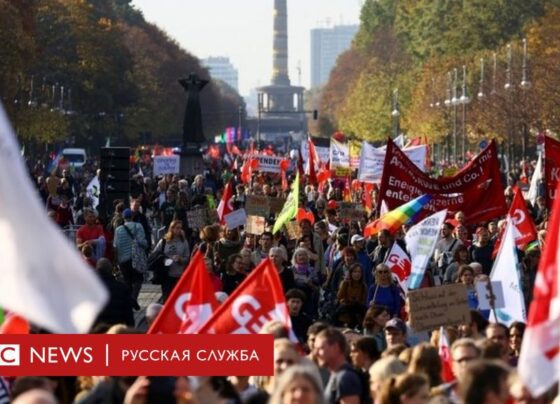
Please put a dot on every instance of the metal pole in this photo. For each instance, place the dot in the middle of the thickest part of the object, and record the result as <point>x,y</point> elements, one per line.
<point>259,108</point>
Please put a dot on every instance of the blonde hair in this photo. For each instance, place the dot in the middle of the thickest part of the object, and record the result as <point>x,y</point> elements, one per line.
<point>169,235</point>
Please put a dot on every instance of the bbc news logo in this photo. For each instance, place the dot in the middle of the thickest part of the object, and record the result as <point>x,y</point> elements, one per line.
<point>9,354</point>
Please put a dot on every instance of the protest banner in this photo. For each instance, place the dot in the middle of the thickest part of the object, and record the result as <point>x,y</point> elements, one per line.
<point>269,164</point>
<point>438,306</point>
<point>551,168</point>
<point>166,165</point>
<point>236,219</point>
<point>476,190</point>
<point>197,218</point>
<point>294,232</point>
<point>372,159</point>
<point>322,147</point>
<point>354,151</point>
<point>255,225</point>
<point>257,206</point>
<point>275,204</point>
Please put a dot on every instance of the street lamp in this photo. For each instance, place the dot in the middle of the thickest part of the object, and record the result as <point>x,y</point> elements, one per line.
<point>480,94</point>
<point>464,100</point>
<point>455,101</point>
<point>525,83</point>
<point>395,111</point>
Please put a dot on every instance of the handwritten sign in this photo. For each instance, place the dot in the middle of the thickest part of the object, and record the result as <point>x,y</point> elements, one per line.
<point>269,164</point>
<point>257,206</point>
<point>235,219</point>
<point>255,225</point>
<point>433,307</point>
<point>276,204</point>
<point>197,218</point>
<point>294,232</point>
<point>166,165</point>
<point>483,295</point>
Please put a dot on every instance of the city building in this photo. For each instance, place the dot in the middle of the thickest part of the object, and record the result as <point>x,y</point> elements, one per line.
<point>221,68</point>
<point>326,45</point>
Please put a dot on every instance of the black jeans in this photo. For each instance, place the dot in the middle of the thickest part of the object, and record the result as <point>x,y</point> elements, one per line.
<point>132,278</point>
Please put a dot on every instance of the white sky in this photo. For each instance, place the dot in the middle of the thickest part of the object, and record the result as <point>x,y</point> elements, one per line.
<point>242,30</point>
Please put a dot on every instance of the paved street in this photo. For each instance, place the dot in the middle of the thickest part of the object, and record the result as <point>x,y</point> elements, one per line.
<point>149,294</point>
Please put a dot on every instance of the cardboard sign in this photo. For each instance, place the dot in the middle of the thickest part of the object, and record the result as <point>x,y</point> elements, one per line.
<point>197,218</point>
<point>351,211</point>
<point>166,165</point>
<point>275,205</point>
<point>294,232</point>
<point>235,219</point>
<point>257,206</point>
<point>255,225</point>
<point>438,306</point>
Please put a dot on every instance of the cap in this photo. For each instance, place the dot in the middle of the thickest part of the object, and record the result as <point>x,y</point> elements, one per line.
<point>396,323</point>
<point>127,214</point>
<point>356,238</point>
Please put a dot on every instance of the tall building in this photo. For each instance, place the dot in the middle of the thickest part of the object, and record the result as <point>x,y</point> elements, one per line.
<point>221,68</point>
<point>326,45</point>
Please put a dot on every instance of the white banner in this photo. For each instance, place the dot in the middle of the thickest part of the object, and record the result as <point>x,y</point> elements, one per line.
<point>269,164</point>
<point>236,219</point>
<point>92,191</point>
<point>339,154</point>
<point>421,241</point>
<point>322,152</point>
<point>506,271</point>
<point>372,160</point>
<point>166,165</point>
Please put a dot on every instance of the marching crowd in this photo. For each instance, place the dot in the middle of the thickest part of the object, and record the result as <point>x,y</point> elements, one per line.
<point>355,343</point>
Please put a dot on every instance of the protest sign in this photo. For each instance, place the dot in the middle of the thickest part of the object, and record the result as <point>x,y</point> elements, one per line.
<point>166,165</point>
<point>438,306</point>
<point>483,295</point>
<point>255,225</point>
<point>275,204</point>
<point>340,154</point>
<point>294,232</point>
<point>235,219</point>
<point>197,218</point>
<point>372,160</point>
<point>322,147</point>
<point>257,206</point>
<point>351,211</point>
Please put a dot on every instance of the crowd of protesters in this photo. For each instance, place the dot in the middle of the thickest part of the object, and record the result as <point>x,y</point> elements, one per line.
<point>347,311</point>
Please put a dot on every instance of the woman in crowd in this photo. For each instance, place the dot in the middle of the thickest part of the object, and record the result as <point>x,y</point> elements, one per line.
<point>466,277</point>
<point>299,385</point>
<point>351,297</point>
<point>516,331</point>
<point>374,322</point>
<point>460,257</point>
<point>233,275</point>
<point>410,388</point>
<point>177,255</point>
<point>384,292</point>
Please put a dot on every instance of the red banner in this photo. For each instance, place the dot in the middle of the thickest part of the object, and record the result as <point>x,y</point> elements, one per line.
<point>132,355</point>
<point>476,190</point>
<point>551,168</point>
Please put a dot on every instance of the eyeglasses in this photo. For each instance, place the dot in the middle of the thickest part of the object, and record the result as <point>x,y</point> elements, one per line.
<point>382,272</point>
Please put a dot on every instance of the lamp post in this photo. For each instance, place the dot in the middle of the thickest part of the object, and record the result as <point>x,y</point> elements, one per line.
<point>455,101</point>
<point>525,85</point>
<point>260,97</point>
<point>448,104</point>
<point>464,100</point>
<point>509,87</point>
<point>395,112</point>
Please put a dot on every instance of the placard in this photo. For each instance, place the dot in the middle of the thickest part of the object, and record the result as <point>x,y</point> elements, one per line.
<point>269,164</point>
<point>351,211</point>
<point>255,225</point>
<point>235,219</point>
<point>293,230</point>
<point>257,206</point>
<point>275,204</point>
<point>166,165</point>
<point>430,308</point>
<point>197,218</point>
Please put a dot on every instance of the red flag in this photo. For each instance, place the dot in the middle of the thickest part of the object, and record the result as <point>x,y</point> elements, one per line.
<point>312,161</point>
<point>524,225</point>
<point>226,204</point>
<point>551,168</point>
<point>445,357</point>
<point>539,360</point>
<point>367,200</point>
<point>258,300</point>
<point>14,324</point>
<point>191,302</point>
<point>346,192</point>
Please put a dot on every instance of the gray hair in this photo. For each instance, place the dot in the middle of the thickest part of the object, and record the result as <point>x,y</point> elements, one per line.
<point>280,251</point>
<point>308,372</point>
<point>298,251</point>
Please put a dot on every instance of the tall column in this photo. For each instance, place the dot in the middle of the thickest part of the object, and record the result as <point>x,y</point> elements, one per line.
<point>280,44</point>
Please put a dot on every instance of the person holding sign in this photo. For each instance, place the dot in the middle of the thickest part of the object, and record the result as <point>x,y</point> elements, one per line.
<point>466,277</point>
<point>384,292</point>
